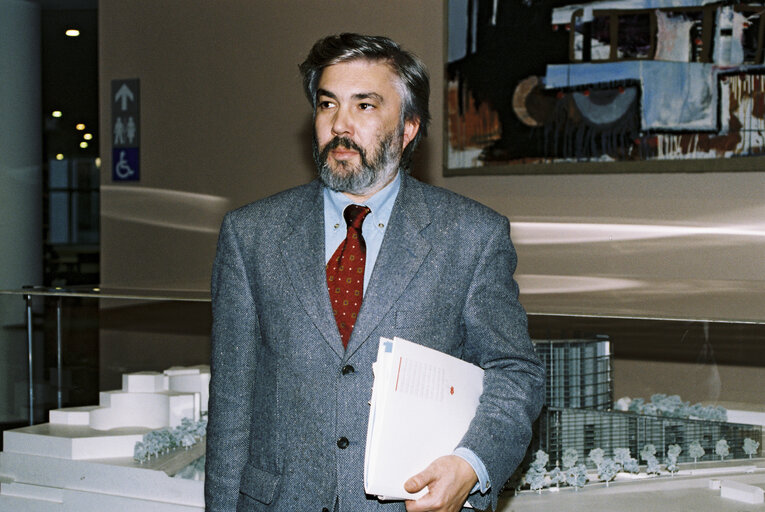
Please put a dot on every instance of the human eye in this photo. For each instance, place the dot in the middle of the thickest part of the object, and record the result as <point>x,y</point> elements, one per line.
<point>366,106</point>
<point>326,104</point>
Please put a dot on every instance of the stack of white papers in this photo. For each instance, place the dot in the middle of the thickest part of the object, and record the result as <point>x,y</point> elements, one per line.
<point>422,403</point>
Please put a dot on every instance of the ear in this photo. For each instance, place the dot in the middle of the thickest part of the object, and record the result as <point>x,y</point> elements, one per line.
<point>411,128</point>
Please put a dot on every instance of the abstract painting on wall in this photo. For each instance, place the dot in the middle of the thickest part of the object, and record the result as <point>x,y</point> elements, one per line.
<point>650,85</point>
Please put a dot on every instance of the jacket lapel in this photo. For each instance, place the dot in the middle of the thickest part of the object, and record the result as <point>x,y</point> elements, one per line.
<point>302,249</point>
<point>402,253</point>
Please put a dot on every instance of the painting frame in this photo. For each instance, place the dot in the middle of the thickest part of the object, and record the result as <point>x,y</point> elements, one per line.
<point>540,165</point>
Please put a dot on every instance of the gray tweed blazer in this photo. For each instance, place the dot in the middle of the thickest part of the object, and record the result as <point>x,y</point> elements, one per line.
<point>283,389</point>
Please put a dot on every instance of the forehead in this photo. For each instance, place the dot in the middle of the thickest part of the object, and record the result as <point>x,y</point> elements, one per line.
<point>361,77</point>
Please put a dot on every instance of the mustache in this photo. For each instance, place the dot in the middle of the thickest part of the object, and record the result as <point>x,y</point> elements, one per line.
<point>344,142</point>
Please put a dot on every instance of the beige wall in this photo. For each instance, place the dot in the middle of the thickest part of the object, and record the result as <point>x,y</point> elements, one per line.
<point>224,122</point>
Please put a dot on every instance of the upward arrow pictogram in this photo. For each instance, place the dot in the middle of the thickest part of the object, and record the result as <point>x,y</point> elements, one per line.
<point>124,94</point>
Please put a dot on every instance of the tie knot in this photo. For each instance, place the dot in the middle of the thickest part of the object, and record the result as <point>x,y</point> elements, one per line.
<point>354,215</point>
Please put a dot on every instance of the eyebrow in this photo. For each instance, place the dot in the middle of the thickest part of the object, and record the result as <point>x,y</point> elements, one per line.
<point>358,96</point>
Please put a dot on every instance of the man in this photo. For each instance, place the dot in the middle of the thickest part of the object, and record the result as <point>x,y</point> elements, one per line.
<point>305,284</point>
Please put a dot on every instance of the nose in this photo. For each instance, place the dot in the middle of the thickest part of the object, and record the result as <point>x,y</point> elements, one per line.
<point>342,123</point>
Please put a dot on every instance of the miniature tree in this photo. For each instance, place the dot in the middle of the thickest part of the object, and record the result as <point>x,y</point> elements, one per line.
<point>648,450</point>
<point>636,405</point>
<point>152,445</point>
<point>750,447</point>
<point>648,454</point>
<point>711,413</point>
<point>607,470</point>
<point>557,476</point>
<point>673,406</point>
<point>576,476</point>
<point>622,404</point>
<point>621,455</point>
<point>632,466</point>
<point>696,451</point>
<point>139,452</point>
<point>623,458</point>
<point>652,465</point>
<point>156,442</point>
<point>570,456</point>
<point>597,455</point>
<point>187,440</point>
<point>722,449</point>
<point>650,409</point>
<point>166,440</point>
<point>720,413</point>
<point>535,476</point>
<point>201,426</point>
<point>673,452</point>
<point>541,460</point>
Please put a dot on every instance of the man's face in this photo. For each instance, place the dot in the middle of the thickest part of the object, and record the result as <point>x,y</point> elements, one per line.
<point>358,137</point>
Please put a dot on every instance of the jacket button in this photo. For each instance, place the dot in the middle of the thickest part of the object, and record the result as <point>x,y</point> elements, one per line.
<point>343,443</point>
<point>348,369</point>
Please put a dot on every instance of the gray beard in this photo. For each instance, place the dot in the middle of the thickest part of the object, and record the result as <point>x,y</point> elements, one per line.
<point>357,179</point>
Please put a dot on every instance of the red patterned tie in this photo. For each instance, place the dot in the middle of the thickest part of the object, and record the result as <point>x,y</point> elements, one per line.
<point>345,273</point>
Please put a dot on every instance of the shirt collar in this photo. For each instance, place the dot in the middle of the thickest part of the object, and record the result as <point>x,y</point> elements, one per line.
<point>381,203</point>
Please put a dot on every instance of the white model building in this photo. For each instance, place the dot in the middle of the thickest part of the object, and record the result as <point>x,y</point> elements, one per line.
<point>716,489</point>
<point>578,410</point>
<point>82,460</point>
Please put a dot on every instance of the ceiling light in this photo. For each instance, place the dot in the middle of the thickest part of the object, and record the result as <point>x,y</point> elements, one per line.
<point>56,113</point>
<point>87,136</point>
<point>72,32</point>
<point>59,156</point>
<point>80,126</point>
<point>83,144</point>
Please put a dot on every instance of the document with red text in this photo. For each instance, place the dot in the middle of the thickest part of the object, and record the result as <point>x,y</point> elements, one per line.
<point>422,403</point>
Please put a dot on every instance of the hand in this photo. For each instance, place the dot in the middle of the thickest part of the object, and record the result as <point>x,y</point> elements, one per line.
<point>449,479</point>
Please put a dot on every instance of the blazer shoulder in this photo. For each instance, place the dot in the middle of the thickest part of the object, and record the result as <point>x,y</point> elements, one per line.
<point>446,204</point>
<point>277,207</point>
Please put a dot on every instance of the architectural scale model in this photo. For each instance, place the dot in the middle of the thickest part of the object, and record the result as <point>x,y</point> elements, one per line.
<point>734,487</point>
<point>83,459</point>
<point>585,454</point>
<point>579,413</point>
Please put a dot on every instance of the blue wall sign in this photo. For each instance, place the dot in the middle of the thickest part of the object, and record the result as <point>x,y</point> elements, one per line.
<point>126,130</point>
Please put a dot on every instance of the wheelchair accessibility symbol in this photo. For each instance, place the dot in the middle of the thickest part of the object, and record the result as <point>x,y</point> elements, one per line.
<point>125,164</point>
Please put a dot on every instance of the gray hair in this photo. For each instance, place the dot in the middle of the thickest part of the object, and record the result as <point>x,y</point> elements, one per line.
<point>414,82</point>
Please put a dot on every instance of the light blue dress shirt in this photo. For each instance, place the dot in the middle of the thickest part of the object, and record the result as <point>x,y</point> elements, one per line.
<point>373,228</point>
<point>373,231</point>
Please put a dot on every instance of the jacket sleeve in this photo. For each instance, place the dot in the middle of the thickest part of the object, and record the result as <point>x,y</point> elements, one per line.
<point>234,341</point>
<point>497,339</point>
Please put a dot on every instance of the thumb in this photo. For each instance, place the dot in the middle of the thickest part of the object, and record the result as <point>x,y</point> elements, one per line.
<point>418,481</point>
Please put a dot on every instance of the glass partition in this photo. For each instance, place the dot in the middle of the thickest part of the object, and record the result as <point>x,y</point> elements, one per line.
<point>78,341</point>
<point>60,347</point>
<point>14,363</point>
<point>110,385</point>
<point>613,382</point>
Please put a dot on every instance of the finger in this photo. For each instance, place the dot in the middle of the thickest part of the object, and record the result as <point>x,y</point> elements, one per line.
<point>424,504</point>
<point>418,481</point>
<point>428,503</point>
